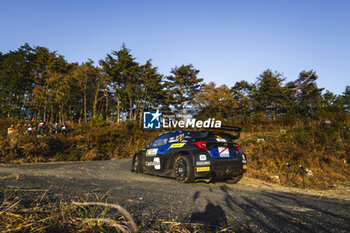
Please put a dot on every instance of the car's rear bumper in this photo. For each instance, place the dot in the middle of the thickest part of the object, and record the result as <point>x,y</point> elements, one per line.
<point>220,169</point>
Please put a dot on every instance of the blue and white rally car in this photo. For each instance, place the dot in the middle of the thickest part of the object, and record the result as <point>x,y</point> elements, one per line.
<point>189,155</point>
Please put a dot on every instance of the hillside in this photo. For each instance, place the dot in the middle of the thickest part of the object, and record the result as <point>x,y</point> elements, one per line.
<point>321,148</point>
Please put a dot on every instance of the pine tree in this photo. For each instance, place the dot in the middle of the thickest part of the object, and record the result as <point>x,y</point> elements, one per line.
<point>308,94</point>
<point>151,93</point>
<point>242,93</point>
<point>16,82</point>
<point>183,86</point>
<point>121,68</point>
<point>270,94</point>
<point>345,99</point>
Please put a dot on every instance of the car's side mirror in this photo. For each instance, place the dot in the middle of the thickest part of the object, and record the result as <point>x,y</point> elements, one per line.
<point>148,145</point>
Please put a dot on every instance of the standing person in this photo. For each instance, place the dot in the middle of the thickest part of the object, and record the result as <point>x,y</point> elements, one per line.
<point>41,127</point>
<point>63,128</point>
<point>29,129</point>
<point>11,130</point>
<point>55,128</point>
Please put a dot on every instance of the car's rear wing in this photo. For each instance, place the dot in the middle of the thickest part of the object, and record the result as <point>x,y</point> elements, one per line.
<point>229,128</point>
<point>235,129</point>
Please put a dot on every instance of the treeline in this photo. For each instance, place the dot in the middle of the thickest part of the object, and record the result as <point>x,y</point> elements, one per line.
<point>271,97</point>
<point>36,83</point>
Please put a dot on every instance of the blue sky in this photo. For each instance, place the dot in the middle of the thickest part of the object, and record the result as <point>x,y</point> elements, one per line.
<point>227,41</point>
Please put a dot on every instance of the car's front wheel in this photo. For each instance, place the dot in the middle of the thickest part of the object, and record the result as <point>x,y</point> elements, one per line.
<point>183,169</point>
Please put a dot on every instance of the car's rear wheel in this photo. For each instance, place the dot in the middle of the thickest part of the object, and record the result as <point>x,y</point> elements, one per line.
<point>183,169</point>
<point>234,180</point>
<point>137,165</point>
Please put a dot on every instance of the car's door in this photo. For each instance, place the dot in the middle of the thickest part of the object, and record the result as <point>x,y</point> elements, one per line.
<point>154,154</point>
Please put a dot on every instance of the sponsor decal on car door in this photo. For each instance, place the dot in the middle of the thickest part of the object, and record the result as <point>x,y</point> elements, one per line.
<point>153,156</point>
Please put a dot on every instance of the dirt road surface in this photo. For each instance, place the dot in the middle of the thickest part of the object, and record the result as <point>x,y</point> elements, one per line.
<point>245,207</point>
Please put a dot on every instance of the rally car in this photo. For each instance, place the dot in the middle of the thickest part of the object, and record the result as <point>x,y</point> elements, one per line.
<point>189,155</point>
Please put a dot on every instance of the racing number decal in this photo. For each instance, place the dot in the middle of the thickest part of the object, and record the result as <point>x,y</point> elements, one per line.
<point>177,138</point>
<point>181,137</point>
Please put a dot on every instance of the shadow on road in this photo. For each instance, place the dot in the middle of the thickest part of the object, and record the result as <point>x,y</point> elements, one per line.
<point>213,217</point>
<point>274,212</point>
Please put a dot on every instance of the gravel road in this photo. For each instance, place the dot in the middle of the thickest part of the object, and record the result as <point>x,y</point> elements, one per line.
<point>240,206</point>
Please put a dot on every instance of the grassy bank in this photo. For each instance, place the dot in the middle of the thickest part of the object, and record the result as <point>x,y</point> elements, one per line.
<point>86,142</point>
<point>94,216</point>
<point>321,147</point>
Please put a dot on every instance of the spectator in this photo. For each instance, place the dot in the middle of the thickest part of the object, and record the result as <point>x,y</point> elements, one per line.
<point>41,127</point>
<point>63,128</point>
<point>11,130</point>
<point>29,129</point>
<point>55,128</point>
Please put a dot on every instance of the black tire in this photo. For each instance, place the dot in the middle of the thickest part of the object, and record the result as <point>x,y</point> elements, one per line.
<point>183,169</point>
<point>234,180</point>
<point>136,165</point>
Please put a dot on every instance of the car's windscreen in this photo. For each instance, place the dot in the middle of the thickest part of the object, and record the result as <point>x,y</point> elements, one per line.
<point>161,140</point>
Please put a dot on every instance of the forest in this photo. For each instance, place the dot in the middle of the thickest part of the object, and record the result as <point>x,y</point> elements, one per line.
<point>40,84</point>
<point>102,103</point>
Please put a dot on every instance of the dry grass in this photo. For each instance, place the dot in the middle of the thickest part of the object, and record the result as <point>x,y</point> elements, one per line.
<point>16,218</point>
<point>81,217</point>
<point>81,143</point>
<point>329,162</point>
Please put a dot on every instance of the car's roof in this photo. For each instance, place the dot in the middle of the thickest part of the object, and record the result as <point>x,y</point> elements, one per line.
<point>207,132</point>
<point>183,131</point>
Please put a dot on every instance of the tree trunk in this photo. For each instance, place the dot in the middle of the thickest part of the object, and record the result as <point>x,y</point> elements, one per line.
<point>135,112</point>
<point>59,114</point>
<point>130,110</point>
<point>107,118</point>
<point>52,116</point>
<point>182,103</point>
<point>85,113</point>
<point>94,106</point>
<point>44,114</point>
<point>182,110</point>
<point>142,109</point>
<point>118,110</point>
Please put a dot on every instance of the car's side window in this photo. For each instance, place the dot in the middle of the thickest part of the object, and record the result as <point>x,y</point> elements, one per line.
<point>161,140</point>
<point>179,137</point>
<point>173,138</point>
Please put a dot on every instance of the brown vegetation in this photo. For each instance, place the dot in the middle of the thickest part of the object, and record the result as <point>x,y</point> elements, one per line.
<point>321,148</point>
<point>82,143</point>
